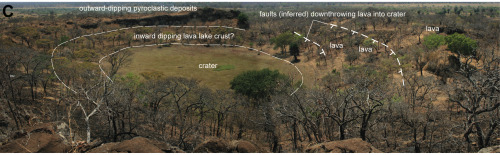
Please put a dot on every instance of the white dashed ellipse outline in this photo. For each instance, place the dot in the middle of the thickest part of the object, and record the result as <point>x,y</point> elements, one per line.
<point>174,26</point>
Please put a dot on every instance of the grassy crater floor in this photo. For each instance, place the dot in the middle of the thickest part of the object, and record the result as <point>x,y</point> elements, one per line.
<point>184,61</point>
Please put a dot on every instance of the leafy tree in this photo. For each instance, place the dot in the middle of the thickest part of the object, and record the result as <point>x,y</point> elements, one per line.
<point>112,36</point>
<point>243,21</point>
<point>85,54</point>
<point>63,39</point>
<point>44,43</point>
<point>52,30</point>
<point>282,40</point>
<point>257,84</point>
<point>27,34</point>
<point>352,56</point>
<point>369,43</point>
<point>433,41</point>
<point>461,44</point>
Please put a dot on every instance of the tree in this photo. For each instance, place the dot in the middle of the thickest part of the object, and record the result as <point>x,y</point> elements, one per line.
<point>369,92</point>
<point>475,89</point>
<point>224,102</point>
<point>27,34</point>
<point>294,50</point>
<point>373,21</point>
<point>417,110</point>
<point>352,56</point>
<point>113,36</point>
<point>367,42</point>
<point>298,111</point>
<point>44,43</point>
<point>178,95</point>
<point>386,37</point>
<point>340,109</point>
<point>417,30</point>
<point>121,109</point>
<point>118,60</point>
<point>243,21</point>
<point>10,80</point>
<point>91,92</point>
<point>257,85</point>
<point>33,64</point>
<point>421,59</point>
<point>461,44</point>
<point>433,41</point>
<point>263,87</point>
<point>282,40</point>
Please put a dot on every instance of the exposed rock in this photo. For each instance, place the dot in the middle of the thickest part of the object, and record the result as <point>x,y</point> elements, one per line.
<point>243,146</point>
<point>216,145</point>
<point>45,137</point>
<point>167,148</point>
<point>5,129</point>
<point>355,145</point>
<point>104,148</point>
<point>136,145</point>
<point>492,149</point>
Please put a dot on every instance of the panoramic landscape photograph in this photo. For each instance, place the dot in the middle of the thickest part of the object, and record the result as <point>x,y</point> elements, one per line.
<point>250,77</point>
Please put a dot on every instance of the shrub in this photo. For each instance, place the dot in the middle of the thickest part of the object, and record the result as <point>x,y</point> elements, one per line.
<point>433,41</point>
<point>461,44</point>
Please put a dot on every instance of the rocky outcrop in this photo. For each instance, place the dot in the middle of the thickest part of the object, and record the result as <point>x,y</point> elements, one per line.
<point>216,145</point>
<point>355,145</point>
<point>44,138</point>
<point>492,149</point>
<point>243,146</point>
<point>136,145</point>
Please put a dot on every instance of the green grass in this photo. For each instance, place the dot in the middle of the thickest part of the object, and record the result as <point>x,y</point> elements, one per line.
<point>184,61</point>
<point>224,67</point>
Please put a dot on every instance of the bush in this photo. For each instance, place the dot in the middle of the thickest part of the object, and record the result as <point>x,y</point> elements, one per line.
<point>433,41</point>
<point>243,21</point>
<point>461,44</point>
<point>369,43</point>
<point>352,56</point>
<point>255,84</point>
<point>85,54</point>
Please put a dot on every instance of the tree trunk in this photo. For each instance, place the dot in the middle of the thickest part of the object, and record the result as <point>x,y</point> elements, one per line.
<point>240,131</point>
<point>341,131</point>
<point>362,130</point>
<point>294,129</point>
<point>415,142</point>
<point>88,130</point>
<point>275,140</point>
